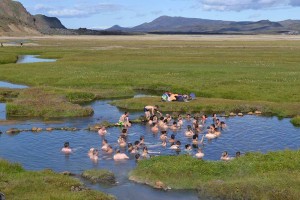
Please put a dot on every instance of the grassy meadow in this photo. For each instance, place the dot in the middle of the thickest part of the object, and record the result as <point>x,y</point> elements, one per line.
<point>275,175</point>
<point>250,70</point>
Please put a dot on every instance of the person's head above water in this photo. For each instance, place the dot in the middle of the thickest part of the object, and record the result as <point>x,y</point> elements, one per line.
<point>66,144</point>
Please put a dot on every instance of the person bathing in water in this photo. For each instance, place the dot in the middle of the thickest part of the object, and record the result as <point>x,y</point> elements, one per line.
<point>120,156</point>
<point>66,148</point>
<point>93,154</point>
<point>102,131</point>
<point>150,111</point>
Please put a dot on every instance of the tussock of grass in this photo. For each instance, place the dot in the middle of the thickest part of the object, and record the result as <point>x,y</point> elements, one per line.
<point>80,97</point>
<point>35,102</point>
<point>8,94</point>
<point>18,184</point>
<point>296,120</point>
<point>99,176</point>
<point>275,175</point>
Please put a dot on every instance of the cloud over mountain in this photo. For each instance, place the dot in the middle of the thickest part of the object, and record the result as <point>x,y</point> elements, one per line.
<point>239,5</point>
<point>82,10</point>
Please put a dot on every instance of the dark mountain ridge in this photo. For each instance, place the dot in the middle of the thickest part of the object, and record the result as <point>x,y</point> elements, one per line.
<point>167,24</point>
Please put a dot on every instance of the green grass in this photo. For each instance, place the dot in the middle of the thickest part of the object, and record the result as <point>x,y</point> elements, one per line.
<point>99,176</point>
<point>250,71</point>
<point>16,183</point>
<point>296,120</point>
<point>35,102</point>
<point>275,175</point>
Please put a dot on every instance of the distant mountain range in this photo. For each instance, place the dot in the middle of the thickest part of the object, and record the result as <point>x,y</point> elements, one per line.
<point>167,24</point>
<point>15,20</point>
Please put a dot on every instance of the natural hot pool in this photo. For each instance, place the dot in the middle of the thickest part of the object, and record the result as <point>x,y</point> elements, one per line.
<point>36,151</point>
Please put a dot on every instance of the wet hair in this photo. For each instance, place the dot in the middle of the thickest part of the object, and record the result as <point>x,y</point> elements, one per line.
<point>178,143</point>
<point>95,151</point>
<point>174,123</point>
<point>66,144</point>
<point>172,136</point>
<point>145,148</point>
<point>222,122</point>
<point>195,136</point>
<point>105,140</point>
<point>142,137</point>
<point>224,153</point>
<point>163,132</point>
<point>151,118</point>
<point>124,130</point>
<point>137,156</point>
<point>161,118</point>
<point>110,147</point>
<point>129,145</point>
<point>126,113</point>
<point>189,127</point>
<point>154,124</point>
<point>118,151</point>
<point>237,154</point>
<point>136,142</point>
<point>187,146</point>
<point>165,121</point>
<point>213,125</point>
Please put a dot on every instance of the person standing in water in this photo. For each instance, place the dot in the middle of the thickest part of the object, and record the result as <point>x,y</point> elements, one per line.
<point>150,111</point>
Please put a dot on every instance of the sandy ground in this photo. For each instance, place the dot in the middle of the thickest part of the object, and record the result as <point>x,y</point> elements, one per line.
<point>163,37</point>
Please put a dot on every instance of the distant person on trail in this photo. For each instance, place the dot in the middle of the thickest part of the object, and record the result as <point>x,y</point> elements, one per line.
<point>1,44</point>
<point>150,110</point>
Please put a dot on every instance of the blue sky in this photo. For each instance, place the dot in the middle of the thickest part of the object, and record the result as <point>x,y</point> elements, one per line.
<point>128,13</point>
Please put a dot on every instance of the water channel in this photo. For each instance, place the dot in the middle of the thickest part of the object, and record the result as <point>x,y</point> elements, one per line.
<point>37,151</point>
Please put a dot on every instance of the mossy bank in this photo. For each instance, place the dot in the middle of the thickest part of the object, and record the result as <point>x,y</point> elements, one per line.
<point>17,184</point>
<point>275,175</point>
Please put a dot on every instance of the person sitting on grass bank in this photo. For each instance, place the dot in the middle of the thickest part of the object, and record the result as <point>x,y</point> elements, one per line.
<point>66,148</point>
<point>120,156</point>
<point>150,111</point>
<point>124,120</point>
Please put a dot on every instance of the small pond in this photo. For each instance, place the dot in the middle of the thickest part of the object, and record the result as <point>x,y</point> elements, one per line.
<point>4,84</point>
<point>32,59</point>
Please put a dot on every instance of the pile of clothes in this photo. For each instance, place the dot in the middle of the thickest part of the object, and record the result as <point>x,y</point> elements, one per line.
<point>168,96</point>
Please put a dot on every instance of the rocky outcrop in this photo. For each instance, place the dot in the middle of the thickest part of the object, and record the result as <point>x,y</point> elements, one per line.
<point>99,176</point>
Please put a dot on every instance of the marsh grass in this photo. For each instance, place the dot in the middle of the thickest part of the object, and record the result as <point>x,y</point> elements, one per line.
<point>16,183</point>
<point>249,70</point>
<point>296,120</point>
<point>274,175</point>
<point>35,102</point>
<point>99,176</point>
<point>8,94</point>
